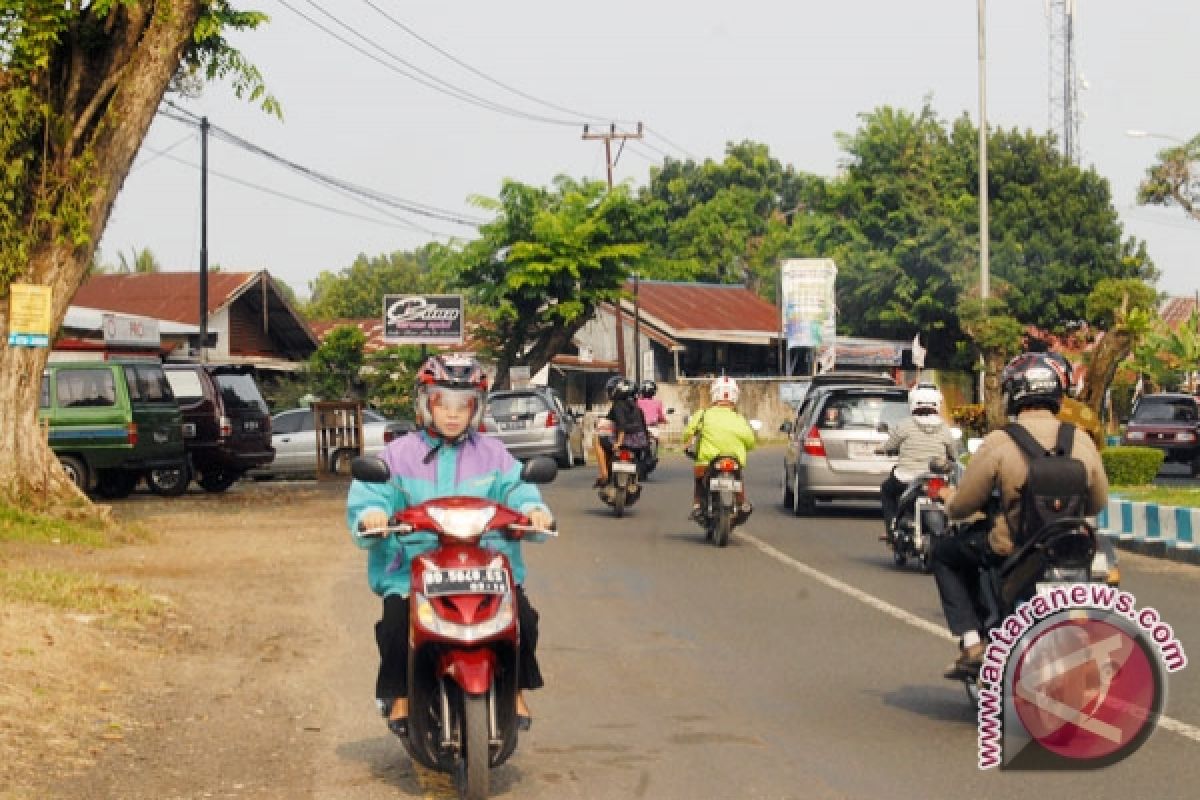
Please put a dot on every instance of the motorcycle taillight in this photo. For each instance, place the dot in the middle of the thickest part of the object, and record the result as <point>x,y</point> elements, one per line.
<point>727,465</point>
<point>934,485</point>
<point>624,455</point>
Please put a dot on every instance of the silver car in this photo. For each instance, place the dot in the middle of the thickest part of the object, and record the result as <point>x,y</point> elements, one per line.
<point>294,437</point>
<point>535,422</point>
<point>832,441</point>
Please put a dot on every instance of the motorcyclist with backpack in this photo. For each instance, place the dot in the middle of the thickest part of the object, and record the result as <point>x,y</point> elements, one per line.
<point>1033,385</point>
<point>921,437</point>
<point>622,426</point>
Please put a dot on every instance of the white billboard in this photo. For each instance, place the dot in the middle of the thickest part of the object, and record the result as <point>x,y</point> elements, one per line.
<point>808,302</point>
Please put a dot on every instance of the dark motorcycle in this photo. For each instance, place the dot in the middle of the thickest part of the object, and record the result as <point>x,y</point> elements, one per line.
<point>624,481</point>
<point>720,512</point>
<point>921,519</point>
<point>464,629</point>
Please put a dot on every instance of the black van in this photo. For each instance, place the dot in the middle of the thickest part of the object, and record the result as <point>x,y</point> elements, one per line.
<point>226,426</point>
<point>111,422</point>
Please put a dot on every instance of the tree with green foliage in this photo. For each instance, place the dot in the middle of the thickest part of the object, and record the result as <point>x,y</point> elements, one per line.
<point>1124,310</point>
<point>1170,356</point>
<point>540,268</point>
<point>357,291</point>
<point>1174,179</point>
<point>389,379</point>
<point>334,368</point>
<point>139,262</point>
<point>80,84</point>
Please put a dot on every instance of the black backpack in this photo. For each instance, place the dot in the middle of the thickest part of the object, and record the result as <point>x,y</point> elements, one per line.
<point>1057,485</point>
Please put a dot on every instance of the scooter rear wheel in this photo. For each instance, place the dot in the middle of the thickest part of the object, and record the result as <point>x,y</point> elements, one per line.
<point>619,497</point>
<point>721,527</point>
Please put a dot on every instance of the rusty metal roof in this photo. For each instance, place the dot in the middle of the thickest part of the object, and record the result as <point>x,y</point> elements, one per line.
<point>372,327</point>
<point>699,310</point>
<point>162,295</point>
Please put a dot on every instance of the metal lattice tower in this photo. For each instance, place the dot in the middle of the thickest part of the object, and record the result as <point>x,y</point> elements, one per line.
<point>1064,76</point>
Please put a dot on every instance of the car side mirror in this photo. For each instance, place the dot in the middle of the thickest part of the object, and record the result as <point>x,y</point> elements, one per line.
<point>370,469</point>
<point>539,469</point>
<point>786,427</point>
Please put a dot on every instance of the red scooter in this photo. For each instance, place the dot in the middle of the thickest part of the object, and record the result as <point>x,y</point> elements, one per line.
<point>464,631</point>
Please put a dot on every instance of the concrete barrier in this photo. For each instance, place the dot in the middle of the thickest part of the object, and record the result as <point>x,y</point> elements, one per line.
<point>1164,531</point>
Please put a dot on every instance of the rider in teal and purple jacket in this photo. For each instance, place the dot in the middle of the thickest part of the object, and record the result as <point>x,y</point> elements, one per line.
<point>447,456</point>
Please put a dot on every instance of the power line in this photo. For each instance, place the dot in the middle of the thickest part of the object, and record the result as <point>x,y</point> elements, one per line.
<point>430,81</point>
<point>480,73</point>
<point>411,206</point>
<point>662,138</point>
<point>160,153</point>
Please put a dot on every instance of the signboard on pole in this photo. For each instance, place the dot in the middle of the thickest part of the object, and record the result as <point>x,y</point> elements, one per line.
<point>809,304</point>
<point>423,318</point>
<point>29,311</point>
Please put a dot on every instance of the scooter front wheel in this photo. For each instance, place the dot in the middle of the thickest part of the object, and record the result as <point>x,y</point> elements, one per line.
<point>473,761</point>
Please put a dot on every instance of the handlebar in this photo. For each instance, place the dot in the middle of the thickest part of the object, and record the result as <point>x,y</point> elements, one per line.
<point>403,530</point>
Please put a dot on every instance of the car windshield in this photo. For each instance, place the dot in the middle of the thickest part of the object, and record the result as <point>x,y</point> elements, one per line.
<point>863,411</point>
<point>512,405</point>
<point>240,392</point>
<point>1183,410</point>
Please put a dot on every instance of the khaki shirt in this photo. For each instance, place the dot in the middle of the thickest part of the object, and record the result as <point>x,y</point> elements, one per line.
<point>1000,461</point>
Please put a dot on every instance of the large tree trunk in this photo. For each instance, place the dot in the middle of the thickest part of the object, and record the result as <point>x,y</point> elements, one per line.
<point>1113,348</point>
<point>993,366</point>
<point>106,102</point>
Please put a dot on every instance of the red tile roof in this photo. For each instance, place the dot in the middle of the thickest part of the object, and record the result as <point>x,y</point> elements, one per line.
<point>162,295</point>
<point>373,328</point>
<point>705,307</point>
<point>1177,310</point>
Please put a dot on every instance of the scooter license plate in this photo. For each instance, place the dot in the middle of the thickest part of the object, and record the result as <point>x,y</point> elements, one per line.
<point>440,582</point>
<point>1048,586</point>
<point>724,485</point>
<point>624,466</point>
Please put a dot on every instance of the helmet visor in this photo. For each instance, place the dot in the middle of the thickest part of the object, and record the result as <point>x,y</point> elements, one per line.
<point>453,400</point>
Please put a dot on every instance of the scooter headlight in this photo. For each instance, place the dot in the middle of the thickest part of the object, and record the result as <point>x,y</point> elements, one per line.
<point>431,620</point>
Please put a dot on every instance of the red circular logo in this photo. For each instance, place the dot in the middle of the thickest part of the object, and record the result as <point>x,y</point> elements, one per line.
<point>1086,689</point>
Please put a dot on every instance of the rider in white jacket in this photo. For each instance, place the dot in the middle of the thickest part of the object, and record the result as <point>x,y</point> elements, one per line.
<point>917,439</point>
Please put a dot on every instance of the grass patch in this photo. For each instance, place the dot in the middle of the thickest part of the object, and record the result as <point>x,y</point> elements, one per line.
<point>1163,495</point>
<point>76,592</point>
<point>27,526</point>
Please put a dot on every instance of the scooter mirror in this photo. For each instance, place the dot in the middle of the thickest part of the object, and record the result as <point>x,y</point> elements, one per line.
<point>756,424</point>
<point>370,469</point>
<point>539,469</point>
<point>956,432</point>
<point>973,444</point>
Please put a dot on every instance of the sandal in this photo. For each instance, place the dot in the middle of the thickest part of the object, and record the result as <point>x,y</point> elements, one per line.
<point>399,727</point>
<point>524,722</point>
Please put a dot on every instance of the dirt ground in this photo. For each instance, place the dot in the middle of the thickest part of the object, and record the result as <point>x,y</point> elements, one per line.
<point>203,699</point>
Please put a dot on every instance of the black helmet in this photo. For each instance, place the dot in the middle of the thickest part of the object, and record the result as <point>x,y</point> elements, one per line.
<point>610,384</point>
<point>619,388</point>
<point>1035,380</point>
<point>648,388</point>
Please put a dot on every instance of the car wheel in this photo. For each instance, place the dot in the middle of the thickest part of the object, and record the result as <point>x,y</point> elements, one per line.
<point>1196,467</point>
<point>339,462</point>
<point>786,486</point>
<point>803,505</point>
<point>219,480</point>
<point>564,459</point>
<point>76,470</point>
<point>169,482</point>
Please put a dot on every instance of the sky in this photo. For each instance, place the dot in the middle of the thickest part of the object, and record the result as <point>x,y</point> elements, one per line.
<point>698,75</point>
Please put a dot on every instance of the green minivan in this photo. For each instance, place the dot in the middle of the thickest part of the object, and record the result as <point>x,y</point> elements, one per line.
<point>113,422</point>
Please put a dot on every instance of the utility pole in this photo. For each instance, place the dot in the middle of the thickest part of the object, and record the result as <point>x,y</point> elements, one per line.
<point>204,240</point>
<point>984,236</point>
<point>608,137</point>
<point>637,332</point>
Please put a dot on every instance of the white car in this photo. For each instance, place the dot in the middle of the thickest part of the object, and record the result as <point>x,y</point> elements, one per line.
<point>294,438</point>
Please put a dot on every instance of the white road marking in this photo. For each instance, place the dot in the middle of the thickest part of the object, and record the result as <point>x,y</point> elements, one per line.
<point>1168,723</point>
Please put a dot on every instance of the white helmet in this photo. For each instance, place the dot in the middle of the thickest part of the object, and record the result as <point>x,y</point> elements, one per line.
<point>723,388</point>
<point>925,398</point>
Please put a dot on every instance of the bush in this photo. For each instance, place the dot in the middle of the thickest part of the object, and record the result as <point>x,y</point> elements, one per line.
<point>972,418</point>
<point>1131,466</point>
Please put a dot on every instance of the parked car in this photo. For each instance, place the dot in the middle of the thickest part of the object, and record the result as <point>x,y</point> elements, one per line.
<point>113,422</point>
<point>831,446</point>
<point>535,422</point>
<point>226,427</point>
<point>294,439</point>
<point>1169,422</point>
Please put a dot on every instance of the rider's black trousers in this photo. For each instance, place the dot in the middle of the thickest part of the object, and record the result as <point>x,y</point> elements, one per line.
<point>890,491</point>
<point>956,563</point>
<point>391,635</point>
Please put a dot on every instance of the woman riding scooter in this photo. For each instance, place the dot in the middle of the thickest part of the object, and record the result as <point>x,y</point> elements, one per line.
<point>918,439</point>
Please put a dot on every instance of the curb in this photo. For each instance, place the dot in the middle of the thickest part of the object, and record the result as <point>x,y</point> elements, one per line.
<point>1170,532</point>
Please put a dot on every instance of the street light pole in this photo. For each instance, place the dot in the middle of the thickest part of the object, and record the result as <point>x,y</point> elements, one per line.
<point>204,240</point>
<point>983,190</point>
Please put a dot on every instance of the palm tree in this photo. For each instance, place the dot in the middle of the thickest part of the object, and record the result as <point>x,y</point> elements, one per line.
<point>140,262</point>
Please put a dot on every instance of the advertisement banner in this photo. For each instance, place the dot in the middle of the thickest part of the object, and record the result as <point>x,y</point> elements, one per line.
<point>808,300</point>
<point>423,319</point>
<point>29,308</point>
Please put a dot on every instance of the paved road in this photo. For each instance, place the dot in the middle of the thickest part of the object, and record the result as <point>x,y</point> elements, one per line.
<point>797,662</point>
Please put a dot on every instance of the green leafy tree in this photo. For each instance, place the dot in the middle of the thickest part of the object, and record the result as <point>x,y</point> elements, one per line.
<point>389,376</point>
<point>538,270</point>
<point>357,291</point>
<point>334,368</point>
<point>139,262</point>
<point>1174,179</point>
<point>79,86</point>
<point>1124,310</point>
<point>1170,356</point>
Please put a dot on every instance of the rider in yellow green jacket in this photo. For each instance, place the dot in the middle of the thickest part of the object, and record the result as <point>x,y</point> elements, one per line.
<point>722,432</point>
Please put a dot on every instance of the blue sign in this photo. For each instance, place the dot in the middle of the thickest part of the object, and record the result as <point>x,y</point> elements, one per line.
<point>28,340</point>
